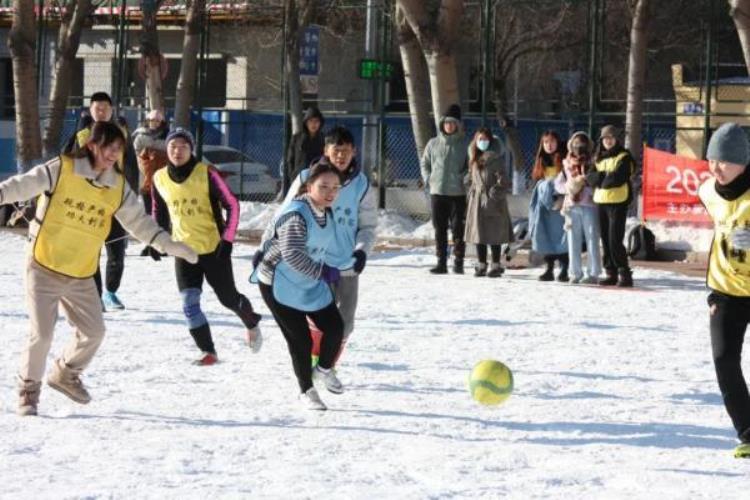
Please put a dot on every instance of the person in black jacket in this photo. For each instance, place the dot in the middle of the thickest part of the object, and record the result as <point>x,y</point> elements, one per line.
<point>100,110</point>
<point>613,193</point>
<point>304,148</point>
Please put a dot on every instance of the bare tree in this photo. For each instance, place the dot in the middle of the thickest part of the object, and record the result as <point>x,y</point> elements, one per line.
<point>417,82</point>
<point>190,46</point>
<point>22,45</point>
<point>298,15</point>
<point>740,11</point>
<point>636,75</point>
<point>435,25</point>
<point>73,15</point>
<point>151,56</point>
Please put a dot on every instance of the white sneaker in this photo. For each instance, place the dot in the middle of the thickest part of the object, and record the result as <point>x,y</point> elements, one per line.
<point>329,378</point>
<point>254,339</point>
<point>311,400</point>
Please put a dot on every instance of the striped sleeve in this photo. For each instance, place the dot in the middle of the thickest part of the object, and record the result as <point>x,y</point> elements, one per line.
<point>228,201</point>
<point>292,235</point>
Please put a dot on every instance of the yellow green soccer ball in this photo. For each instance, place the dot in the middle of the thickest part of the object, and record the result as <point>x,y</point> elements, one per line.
<point>490,382</point>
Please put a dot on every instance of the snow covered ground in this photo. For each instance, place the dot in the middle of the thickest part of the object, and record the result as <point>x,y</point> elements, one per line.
<point>615,396</point>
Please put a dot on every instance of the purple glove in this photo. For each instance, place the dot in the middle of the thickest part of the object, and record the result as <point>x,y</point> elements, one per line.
<point>330,274</point>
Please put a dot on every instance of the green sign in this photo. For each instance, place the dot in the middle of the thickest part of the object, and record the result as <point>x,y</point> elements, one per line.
<point>371,69</point>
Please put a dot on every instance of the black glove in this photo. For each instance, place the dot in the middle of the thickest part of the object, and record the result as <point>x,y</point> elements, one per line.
<point>360,259</point>
<point>257,258</point>
<point>223,249</point>
<point>153,253</point>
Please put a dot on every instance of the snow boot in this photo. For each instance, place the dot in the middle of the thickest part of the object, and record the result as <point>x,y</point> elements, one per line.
<point>480,269</point>
<point>563,277</point>
<point>311,400</point>
<point>67,381</point>
<point>441,268</point>
<point>611,278</point>
<point>206,359</point>
<point>329,378</point>
<point>28,397</point>
<point>111,302</point>
<point>549,273</point>
<point>458,265</point>
<point>626,278</point>
<point>496,270</point>
<point>254,339</point>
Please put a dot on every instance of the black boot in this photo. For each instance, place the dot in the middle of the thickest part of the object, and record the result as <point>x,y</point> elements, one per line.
<point>496,270</point>
<point>563,276</point>
<point>480,269</point>
<point>441,268</point>
<point>549,274</point>
<point>611,278</point>
<point>458,265</point>
<point>626,278</point>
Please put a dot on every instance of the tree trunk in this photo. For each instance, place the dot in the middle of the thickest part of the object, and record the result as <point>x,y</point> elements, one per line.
<point>636,77</point>
<point>740,11</point>
<point>22,45</point>
<point>298,15</point>
<point>68,39</point>
<point>417,83</point>
<point>190,48</point>
<point>150,54</point>
<point>435,25</point>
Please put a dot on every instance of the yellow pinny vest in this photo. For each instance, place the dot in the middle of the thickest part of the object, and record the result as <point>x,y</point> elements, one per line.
<point>76,223</point>
<point>190,209</point>
<point>617,194</point>
<point>728,268</point>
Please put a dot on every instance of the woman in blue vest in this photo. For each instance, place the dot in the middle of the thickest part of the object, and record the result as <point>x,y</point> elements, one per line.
<point>295,282</point>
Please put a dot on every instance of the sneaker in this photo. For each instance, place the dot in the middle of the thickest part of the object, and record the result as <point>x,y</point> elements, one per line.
<point>66,381</point>
<point>254,339</point>
<point>329,378</point>
<point>589,280</point>
<point>111,302</point>
<point>742,451</point>
<point>28,397</point>
<point>311,400</point>
<point>207,359</point>
<point>575,280</point>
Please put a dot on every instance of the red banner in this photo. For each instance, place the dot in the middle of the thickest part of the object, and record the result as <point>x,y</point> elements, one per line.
<point>670,186</point>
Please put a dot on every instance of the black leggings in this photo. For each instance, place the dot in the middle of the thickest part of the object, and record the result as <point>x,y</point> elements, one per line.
<point>482,253</point>
<point>293,325</point>
<point>728,324</point>
<point>115,259</point>
<point>449,211</point>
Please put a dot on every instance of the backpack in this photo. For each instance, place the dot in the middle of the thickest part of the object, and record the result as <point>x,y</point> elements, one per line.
<point>641,243</point>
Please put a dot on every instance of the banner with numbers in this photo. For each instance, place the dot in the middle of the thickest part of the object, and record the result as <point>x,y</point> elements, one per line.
<point>670,186</point>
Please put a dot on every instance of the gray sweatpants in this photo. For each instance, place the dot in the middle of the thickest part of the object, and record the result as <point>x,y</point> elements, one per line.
<point>345,293</point>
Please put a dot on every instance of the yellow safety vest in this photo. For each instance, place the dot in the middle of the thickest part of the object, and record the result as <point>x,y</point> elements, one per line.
<point>728,267</point>
<point>551,172</point>
<point>76,223</point>
<point>82,136</point>
<point>190,209</point>
<point>617,194</point>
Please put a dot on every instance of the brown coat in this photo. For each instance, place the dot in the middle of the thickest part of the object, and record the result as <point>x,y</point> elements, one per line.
<point>487,215</point>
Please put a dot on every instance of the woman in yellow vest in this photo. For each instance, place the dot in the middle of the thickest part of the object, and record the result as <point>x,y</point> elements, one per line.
<point>727,199</point>
<point>612,194</point>
<point>79,197</point>
<point>189,196</point>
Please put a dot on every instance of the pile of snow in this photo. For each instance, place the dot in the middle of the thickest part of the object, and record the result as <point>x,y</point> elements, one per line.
<point>615,395</point>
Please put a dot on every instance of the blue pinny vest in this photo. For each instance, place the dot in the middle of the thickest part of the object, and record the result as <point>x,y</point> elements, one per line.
<point>346,220</point>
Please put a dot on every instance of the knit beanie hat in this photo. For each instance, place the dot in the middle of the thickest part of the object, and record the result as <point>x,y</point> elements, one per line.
<point>609,131</point>
<point>183,133</point>
<point>729,144</point>
<point>453,113</point>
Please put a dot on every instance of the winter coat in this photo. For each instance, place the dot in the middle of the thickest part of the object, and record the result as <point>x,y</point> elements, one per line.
<point>303,149</point>
<point>487,215</point>
<point>545,221</point>
<point>444,163</point>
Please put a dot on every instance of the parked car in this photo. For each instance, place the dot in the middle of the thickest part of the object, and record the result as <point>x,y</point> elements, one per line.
<point>248,179</point>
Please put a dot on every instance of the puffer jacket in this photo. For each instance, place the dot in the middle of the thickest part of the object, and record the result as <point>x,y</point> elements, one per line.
<point>444,163</point>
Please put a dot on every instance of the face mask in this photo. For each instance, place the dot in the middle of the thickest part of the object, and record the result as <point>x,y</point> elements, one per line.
<point>483,144</point>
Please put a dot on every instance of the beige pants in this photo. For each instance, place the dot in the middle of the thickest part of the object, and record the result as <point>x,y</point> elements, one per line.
<point>45,292</point>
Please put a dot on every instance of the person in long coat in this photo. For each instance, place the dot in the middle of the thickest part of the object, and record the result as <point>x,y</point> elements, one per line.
<point>487,216</point>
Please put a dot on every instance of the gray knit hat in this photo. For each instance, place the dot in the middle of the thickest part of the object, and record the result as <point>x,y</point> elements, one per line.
<point>181,133</point>
<point>729,144</point>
